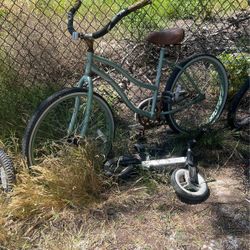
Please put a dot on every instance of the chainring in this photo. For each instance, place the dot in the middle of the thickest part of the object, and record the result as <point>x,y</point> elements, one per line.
<point>147,123</point>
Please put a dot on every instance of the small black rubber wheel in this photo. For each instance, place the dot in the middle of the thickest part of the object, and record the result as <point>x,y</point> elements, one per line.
<point>121,167</point>
<point>185,190</point>
<point>7,172</point>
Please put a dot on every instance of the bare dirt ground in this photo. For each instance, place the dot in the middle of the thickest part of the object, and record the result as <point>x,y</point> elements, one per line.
<point>161,221</point>
<point>149,216</point>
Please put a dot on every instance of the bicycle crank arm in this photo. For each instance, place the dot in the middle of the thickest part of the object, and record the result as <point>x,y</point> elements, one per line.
<point>163,163</point>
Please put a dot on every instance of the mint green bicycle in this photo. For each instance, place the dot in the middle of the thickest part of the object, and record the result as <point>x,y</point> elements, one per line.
<point>194,97</point>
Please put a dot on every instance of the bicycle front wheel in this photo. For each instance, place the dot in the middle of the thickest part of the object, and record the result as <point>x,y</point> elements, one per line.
<point>47,133</point>
<point>199,88</point>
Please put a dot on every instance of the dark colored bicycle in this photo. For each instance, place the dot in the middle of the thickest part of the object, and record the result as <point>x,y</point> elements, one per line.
<point>239,111</point>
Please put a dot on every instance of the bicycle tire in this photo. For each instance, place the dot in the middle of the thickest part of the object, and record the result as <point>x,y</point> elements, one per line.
<point>241,95</point>
<point>58,122</point>
<point>7,172</point>
<point>191,119</point>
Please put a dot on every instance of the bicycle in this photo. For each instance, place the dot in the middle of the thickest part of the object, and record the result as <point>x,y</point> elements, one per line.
<point>198,85</point>
<point>239,118</point>
<point>7,172</point>
<point>239,113</point>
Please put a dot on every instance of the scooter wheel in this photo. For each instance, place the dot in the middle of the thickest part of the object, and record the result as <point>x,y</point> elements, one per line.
<point>187,191</point>
<point>121,167</point>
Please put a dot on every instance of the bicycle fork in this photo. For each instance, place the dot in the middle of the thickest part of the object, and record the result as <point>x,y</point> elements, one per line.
<point>85,81</point>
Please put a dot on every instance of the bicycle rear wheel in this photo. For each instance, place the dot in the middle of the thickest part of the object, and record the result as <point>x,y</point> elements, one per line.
<point>200,73</point>
<point>47,132</point>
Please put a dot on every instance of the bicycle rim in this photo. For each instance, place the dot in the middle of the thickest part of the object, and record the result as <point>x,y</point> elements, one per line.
<point>210,77</point>
<point>49,137</point>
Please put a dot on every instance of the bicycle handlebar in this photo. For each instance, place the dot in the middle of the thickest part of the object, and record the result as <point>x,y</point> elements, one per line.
<point>139,5</point>
<point>107,27</point>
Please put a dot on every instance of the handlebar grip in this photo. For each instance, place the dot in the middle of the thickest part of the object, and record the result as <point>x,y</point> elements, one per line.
<point>139,5</point>
<point>71,15</point>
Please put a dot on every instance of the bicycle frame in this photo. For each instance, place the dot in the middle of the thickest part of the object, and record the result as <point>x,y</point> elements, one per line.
<point>86,81</point>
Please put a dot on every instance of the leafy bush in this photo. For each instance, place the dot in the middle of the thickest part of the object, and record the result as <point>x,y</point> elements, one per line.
<point>155,16</point>
<point>237,66</point>
<point>148,18</point>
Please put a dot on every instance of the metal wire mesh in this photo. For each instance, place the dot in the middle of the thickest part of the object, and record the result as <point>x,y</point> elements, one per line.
<point>35,44</point>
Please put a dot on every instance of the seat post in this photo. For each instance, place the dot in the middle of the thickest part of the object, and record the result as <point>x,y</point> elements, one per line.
<point>160,65</point>
<point>178,51</point>
<point>158,80</point>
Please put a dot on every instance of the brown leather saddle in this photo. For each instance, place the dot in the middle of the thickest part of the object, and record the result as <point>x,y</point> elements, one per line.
<point>166,37</point>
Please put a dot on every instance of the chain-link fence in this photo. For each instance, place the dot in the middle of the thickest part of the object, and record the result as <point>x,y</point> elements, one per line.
<point>36,51</point>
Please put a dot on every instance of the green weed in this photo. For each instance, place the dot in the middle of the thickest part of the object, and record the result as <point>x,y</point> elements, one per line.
<point>220,145</point>
<point>17,101</point>
<point>237,66</point>
<point>148,18</point>
<point>160,12</point>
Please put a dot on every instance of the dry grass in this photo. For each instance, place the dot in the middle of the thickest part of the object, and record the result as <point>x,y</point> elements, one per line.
<point>66,205</point>
<point>59,183</point>
<point>73,182</point>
